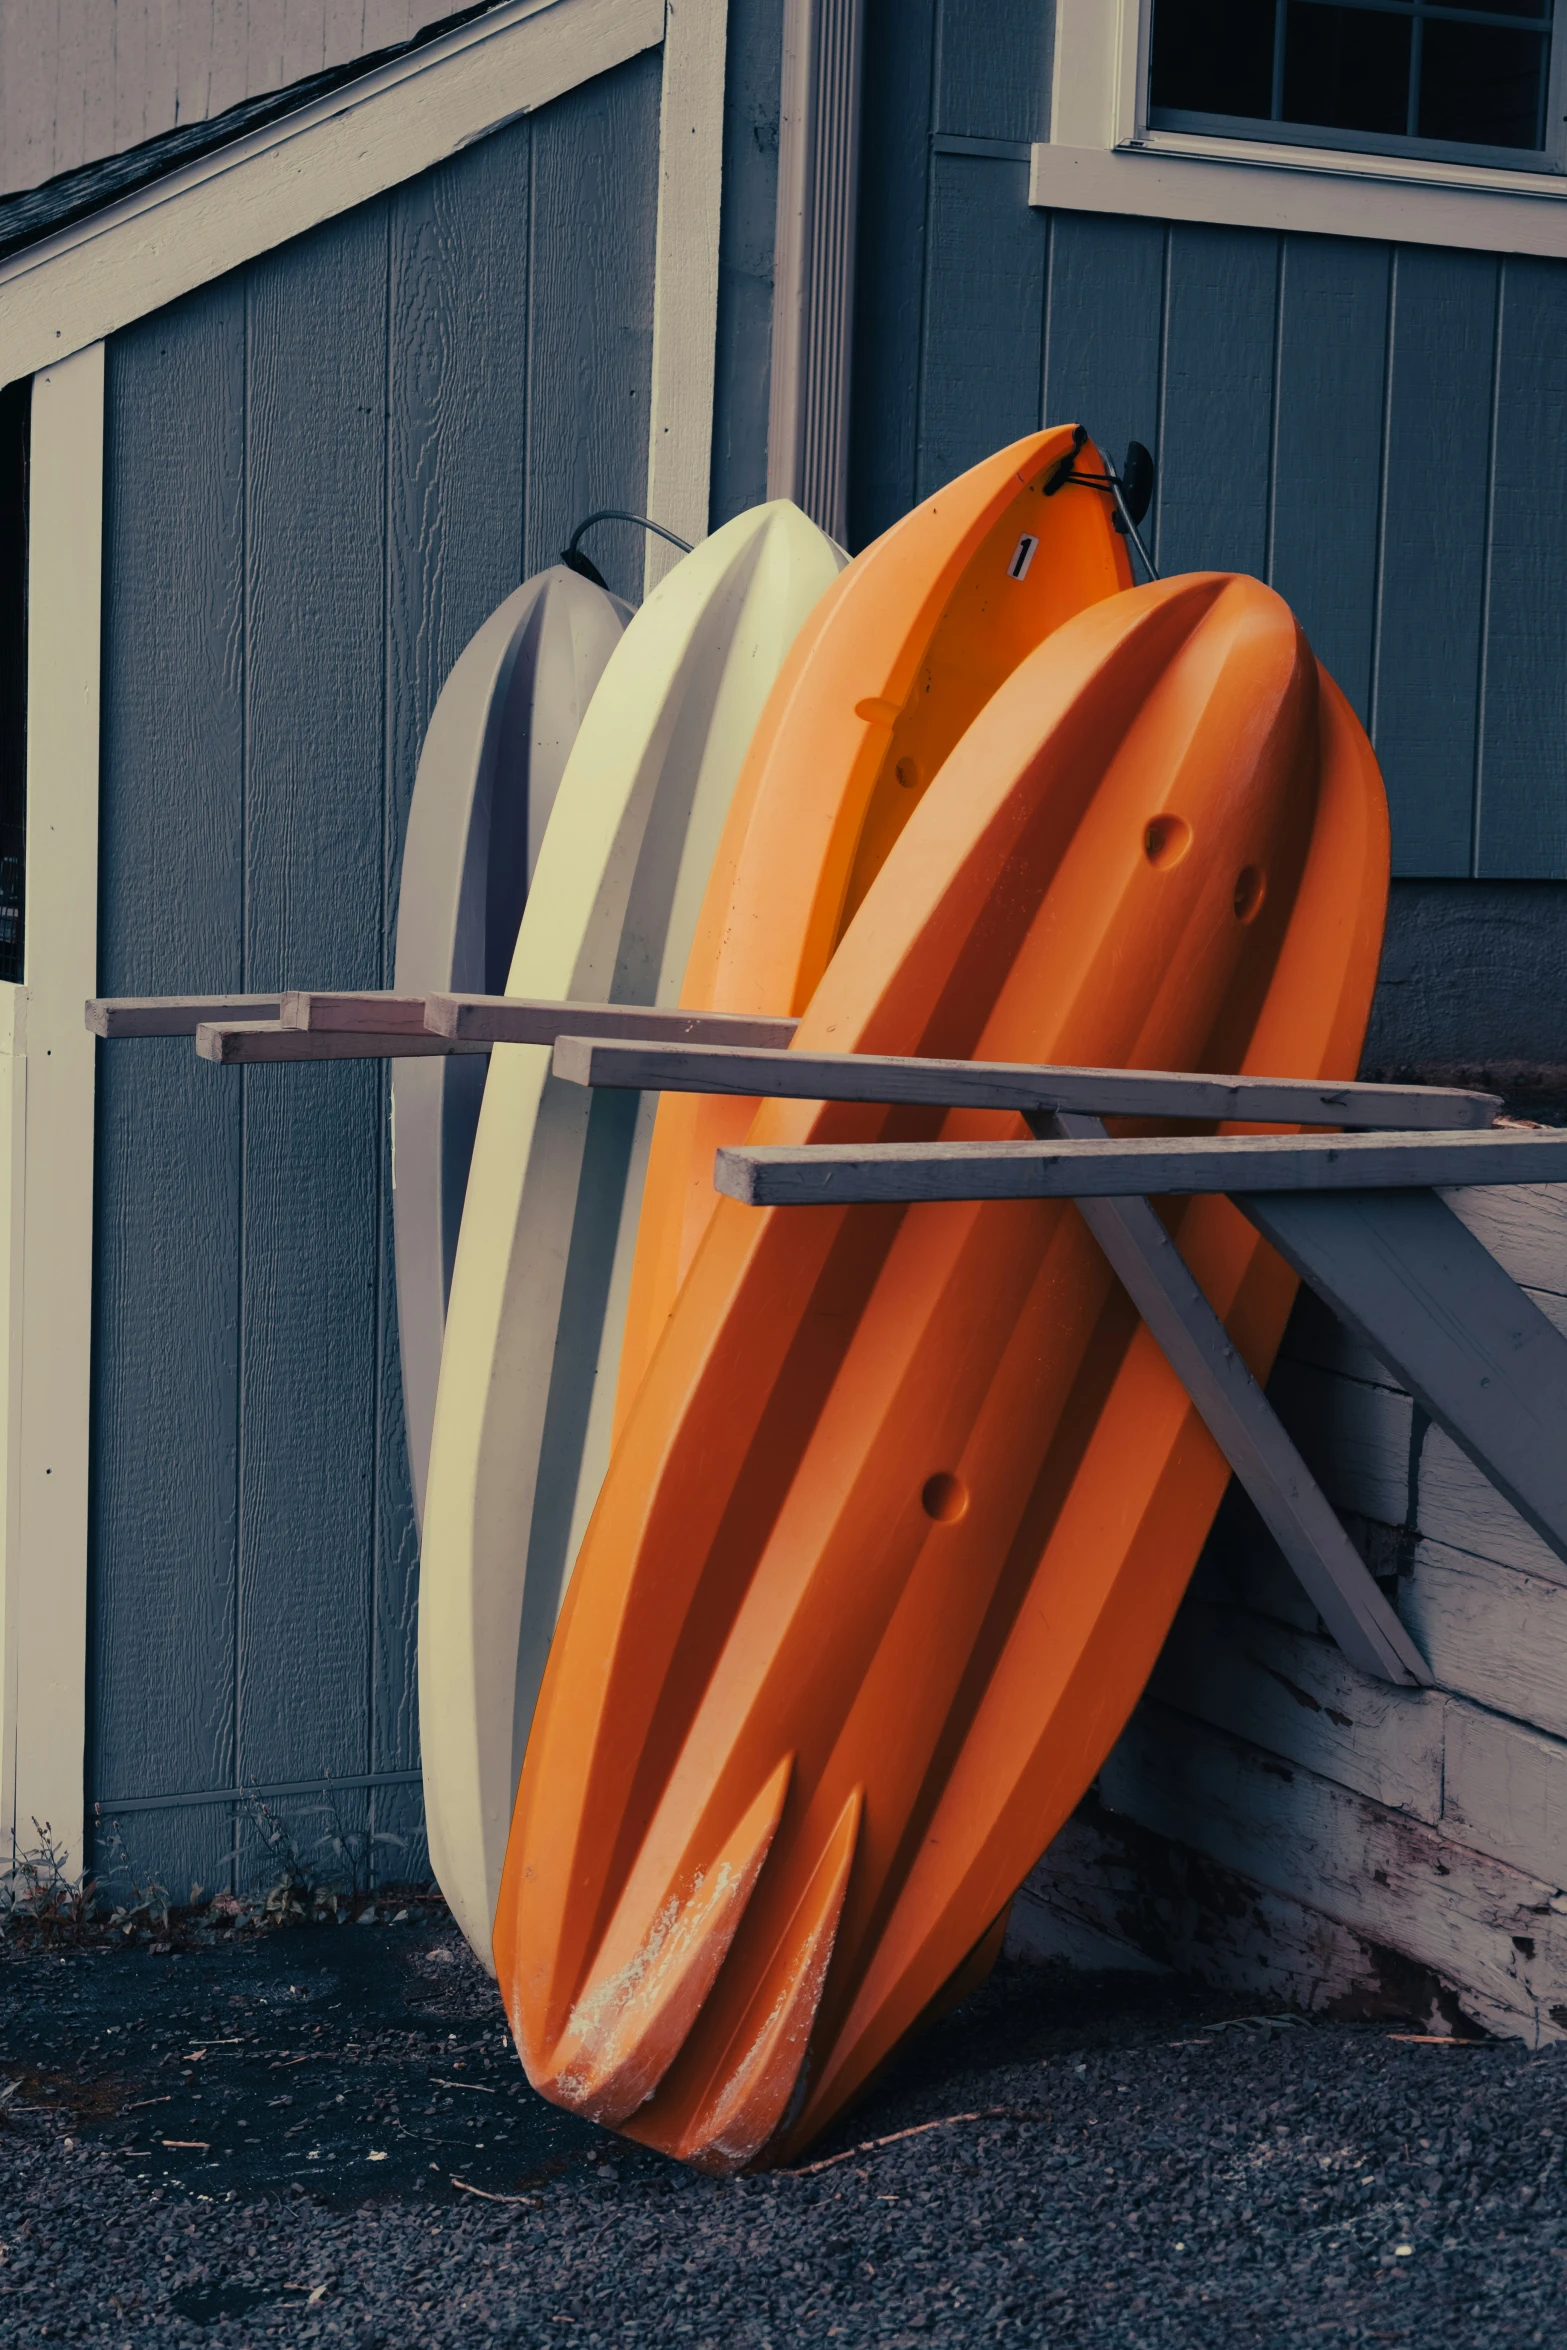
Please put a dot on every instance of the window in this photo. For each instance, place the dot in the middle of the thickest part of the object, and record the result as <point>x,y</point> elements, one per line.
<point>1462,83</point>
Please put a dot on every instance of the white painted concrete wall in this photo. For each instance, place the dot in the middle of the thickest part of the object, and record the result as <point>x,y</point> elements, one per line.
<point>81,79</point>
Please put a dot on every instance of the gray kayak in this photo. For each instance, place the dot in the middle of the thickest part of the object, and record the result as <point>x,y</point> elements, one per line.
<point>493,757</point>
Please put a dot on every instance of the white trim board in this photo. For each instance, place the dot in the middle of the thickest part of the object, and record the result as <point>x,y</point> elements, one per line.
<point>1101,157</point>
<point>47,1072</point>
<point>685,275</point>
<point>1316,197</point>
<point>189,228</point>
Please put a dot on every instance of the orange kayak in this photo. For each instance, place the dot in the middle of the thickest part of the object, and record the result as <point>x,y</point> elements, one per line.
<point>908,1496</point>
<point>895,663</point>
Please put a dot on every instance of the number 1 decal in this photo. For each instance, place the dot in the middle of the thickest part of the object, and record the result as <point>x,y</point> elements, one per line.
<point>1022,556</point>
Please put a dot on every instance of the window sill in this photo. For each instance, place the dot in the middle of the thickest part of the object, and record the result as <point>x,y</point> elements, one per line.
<point>1318,191</point>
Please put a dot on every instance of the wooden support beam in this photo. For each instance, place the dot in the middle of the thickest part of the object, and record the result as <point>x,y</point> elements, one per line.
<point>173,1015</point>
<point>528,1020</point>
<point>834,1174</point>
<point>1013,1085</point>
<point>238,1042</point>
<point>1244,1425</point>
<point>374,1012</point>
<point>1449,1322</point>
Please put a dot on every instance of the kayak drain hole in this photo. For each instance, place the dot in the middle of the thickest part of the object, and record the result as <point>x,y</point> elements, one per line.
<point>1249,890</point>
<point>907,773</point>
<point>1167,840</point>
<point>944,1498</point>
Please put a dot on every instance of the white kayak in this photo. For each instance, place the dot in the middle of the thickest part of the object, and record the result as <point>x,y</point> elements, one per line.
<point>493,757</point>
<point>538,1296</point>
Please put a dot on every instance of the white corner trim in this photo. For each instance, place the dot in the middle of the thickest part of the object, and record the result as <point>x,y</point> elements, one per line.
<point>813,259</point>
<point>188,228</point>
<point>685,276</point>
<point>46,1129</point>
<point>1322,194</point>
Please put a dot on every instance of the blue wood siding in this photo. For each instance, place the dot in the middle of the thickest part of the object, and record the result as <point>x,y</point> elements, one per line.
<point>1379,430</point>
<point>323,472</point>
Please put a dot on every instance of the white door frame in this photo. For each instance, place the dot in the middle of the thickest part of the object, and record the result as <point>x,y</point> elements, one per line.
<point>58,301</point>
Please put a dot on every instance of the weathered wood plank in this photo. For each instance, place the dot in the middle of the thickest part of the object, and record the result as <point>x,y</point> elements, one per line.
<point>1332,353</point>
<point>1314,1335</point>
<point>984,315</point>
<point>1524,1230</point>
<point>167,1222</point>
<point>1356,1438</point>
<point>1505,1791</point>
<point>1432,591</point>
<point>1493,1633</point>
<point>372,1010</point>
<point>173,1015</point>
<point>1298,1696</point>
<point>1456,1503</point>
<point>492,1019</point>
<point>1107,1878</point>
<point>236,1042</point>
<point>1477,1922</point>
<point>832,1174</point>
<point>1454,1328</point>
<point>1016,1085</point>
<point>1237,1415</point>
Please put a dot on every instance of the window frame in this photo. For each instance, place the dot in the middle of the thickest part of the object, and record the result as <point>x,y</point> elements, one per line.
<point>1240,129</point>
<point>1102,155</point>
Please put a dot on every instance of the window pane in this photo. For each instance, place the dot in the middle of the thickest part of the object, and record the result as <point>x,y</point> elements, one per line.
<point>1213,56</point>
<point>1481,85</point>
<point>1540,8</point>
<point>1347,68</point>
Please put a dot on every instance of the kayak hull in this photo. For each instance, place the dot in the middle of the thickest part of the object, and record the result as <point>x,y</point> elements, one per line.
<point>908,1497</point>
<point>538,1291</point>
<point>894,665</point>
<point>493,756</point>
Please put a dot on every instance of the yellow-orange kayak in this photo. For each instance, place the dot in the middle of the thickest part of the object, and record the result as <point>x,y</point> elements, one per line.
<point>897,659</point>
<point>907,1497</point>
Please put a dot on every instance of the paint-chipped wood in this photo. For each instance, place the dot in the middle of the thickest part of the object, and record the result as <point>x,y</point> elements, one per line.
<point>1142,1897</point>
<point>1297,1696</point>
<point>1477,1354</point>
<point>1505,1790</point>
<point>1395,1881</point>
<point>1493,1633</point>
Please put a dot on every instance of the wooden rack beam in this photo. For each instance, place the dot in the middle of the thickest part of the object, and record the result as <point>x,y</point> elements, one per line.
<point>1015,1085</point>
<point>835,1174</point>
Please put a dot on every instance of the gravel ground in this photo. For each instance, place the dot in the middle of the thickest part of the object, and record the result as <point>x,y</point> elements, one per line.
<point>264,2142</point>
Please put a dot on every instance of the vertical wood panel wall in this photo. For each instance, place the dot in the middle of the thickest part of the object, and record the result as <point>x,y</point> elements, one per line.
<point>323,472</point>
<point>1376,429</point>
